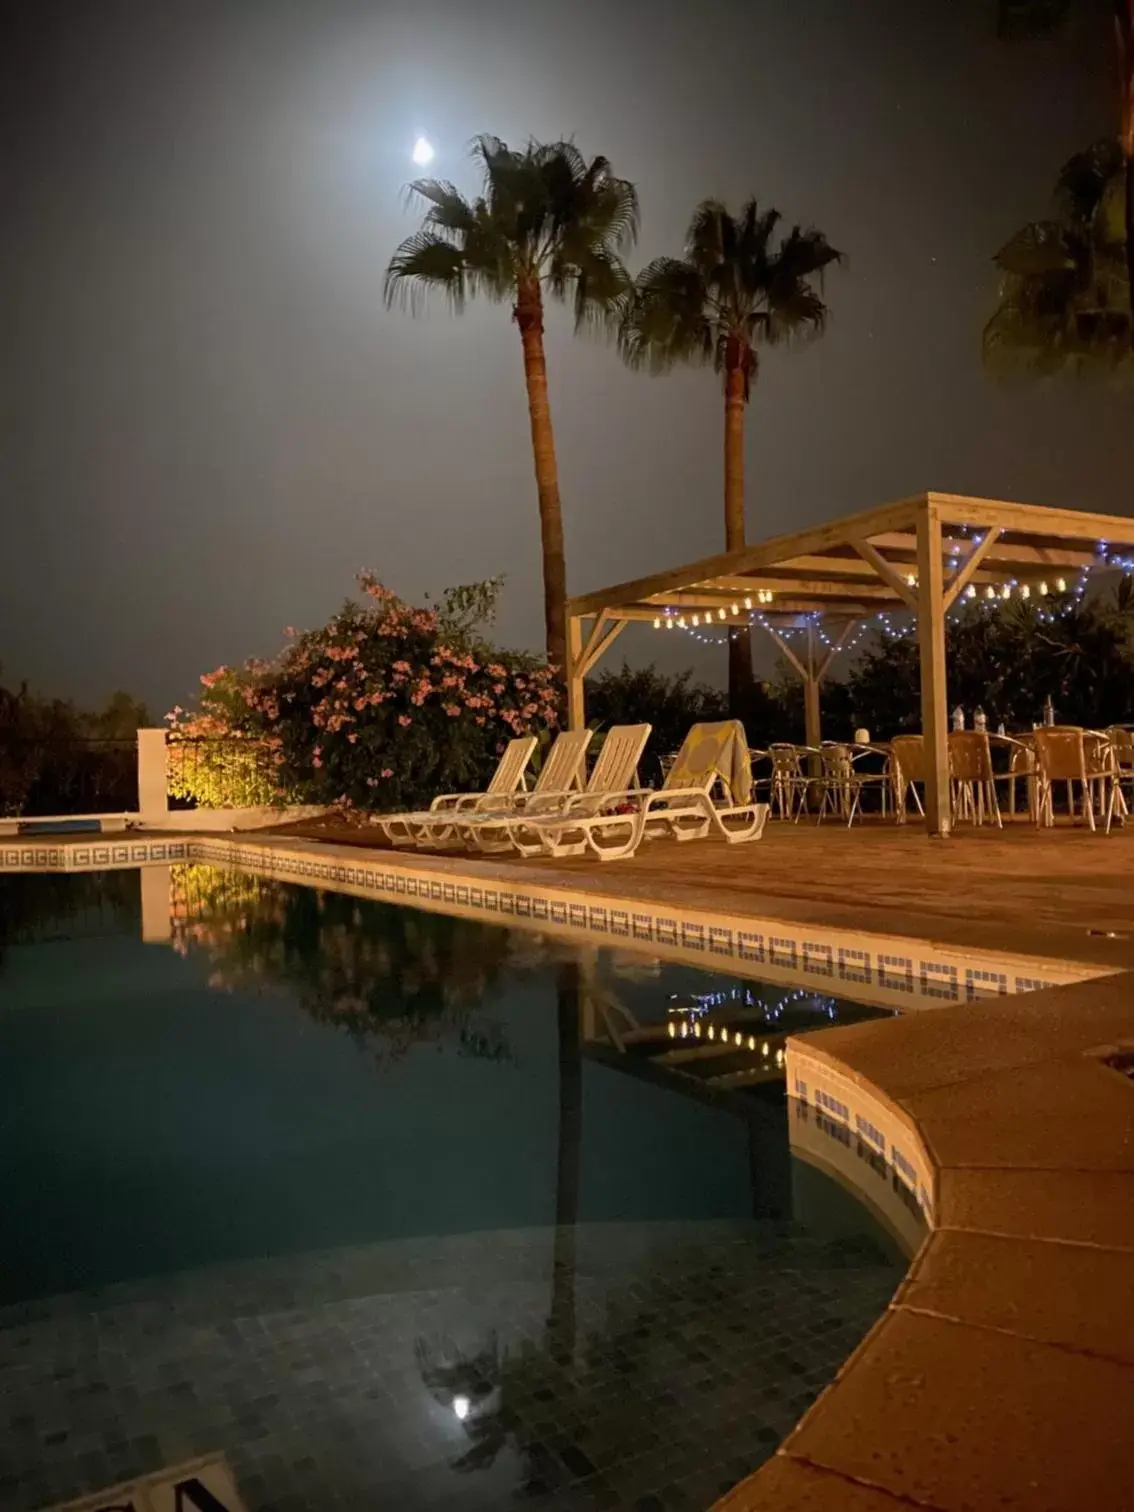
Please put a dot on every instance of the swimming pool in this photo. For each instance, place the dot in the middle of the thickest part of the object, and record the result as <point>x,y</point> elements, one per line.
<point>396,1206</point>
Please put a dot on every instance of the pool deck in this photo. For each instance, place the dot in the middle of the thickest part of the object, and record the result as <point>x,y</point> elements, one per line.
<point>1040,893</point>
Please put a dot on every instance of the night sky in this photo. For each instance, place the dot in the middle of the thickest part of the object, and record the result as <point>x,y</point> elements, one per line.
<point>209,422</point>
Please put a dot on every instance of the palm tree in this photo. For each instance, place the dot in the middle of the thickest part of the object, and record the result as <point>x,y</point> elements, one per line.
<point>546,222</point>
<point>735,290</point>
<point>1063,302</point>
<point>1029,18</point>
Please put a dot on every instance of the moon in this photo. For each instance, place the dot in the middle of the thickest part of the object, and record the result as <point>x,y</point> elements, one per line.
<point>423,153</point>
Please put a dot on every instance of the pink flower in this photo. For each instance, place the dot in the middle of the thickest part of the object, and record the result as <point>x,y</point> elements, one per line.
<point>452,710</point>
<point>404,719</point>
<point>387,771</point>
<point>317,762</point>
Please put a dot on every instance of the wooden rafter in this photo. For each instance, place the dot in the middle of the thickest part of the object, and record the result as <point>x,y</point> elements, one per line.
<point>887,572</point>
<point>964,573</point>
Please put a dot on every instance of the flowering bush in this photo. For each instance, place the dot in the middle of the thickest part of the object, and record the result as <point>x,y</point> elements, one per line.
<point>382,707</point>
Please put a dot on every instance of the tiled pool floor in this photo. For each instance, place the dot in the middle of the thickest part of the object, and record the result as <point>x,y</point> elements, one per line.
<point>664,1363</point>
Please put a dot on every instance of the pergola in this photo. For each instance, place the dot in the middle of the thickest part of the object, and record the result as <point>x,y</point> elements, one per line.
<point>916,556</point>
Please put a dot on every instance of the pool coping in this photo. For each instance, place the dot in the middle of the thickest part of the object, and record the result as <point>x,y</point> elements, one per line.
<point>789,942</point>
<point>1002,1373</point>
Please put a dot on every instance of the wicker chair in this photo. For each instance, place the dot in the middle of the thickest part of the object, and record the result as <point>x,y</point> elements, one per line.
<point>972,782</point>
<point>1121,739</point>
<point>789,780</point>
<point>907,767</point>
<point>841,786</point>
<point>1066,753</point>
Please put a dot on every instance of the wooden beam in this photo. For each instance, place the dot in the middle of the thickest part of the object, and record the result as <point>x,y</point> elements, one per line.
<point>963,575</point>
<point>846,632</point>
<point>787,651</point>
<point>1036,519</point>
<point>887,572</point>
<point>596,648</point>
<point>817,588</point>
<point>1008,554</point>
<point>786,604</point>
<point>931,649</point>
<point>879,527</point>
<point>766,554</point>
<point>592,639</point>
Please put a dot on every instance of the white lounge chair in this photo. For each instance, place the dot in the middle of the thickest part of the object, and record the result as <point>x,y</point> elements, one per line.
<point>613,773</point>
<point>563,775</point>
<point>507,780</point>
<point>682,807</point>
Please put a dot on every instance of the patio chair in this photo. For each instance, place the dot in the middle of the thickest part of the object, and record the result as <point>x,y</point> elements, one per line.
<point>507,780</point>
<point>789,782</point>
<point>1121,739</point>
<point>907,767</point>
<point>1069,754</point>
<point>972,781</point>
<point>841,785</point>
<point>682,807</point>
<point>562,774</point>
<point>1104,775</point>
<point>614,772</point>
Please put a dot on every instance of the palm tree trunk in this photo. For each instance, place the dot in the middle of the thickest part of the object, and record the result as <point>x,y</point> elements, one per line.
<point>1124,29</point>
<point>528,314</point>
<point>740,642</point>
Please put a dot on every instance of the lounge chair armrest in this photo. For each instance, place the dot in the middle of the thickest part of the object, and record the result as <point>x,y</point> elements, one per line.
<point>445,801</point>
<point>680,795</point>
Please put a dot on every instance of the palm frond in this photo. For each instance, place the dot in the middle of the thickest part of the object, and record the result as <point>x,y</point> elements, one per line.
<point>666,319</point>
<point>1064,296</point>
<point>545,216</point>
<point>1036,250</point>
<point>422,262</point>
<point>1084,178</point>
<point>710,231</point>
<point>736,290</point>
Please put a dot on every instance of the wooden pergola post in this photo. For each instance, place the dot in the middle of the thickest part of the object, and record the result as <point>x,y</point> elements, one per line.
<point>931,648</point>
<point>812,718</point>
<point>576,705</point>
<point>584,656</point>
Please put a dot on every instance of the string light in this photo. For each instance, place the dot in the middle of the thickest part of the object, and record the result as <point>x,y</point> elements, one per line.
<point>812,621</point>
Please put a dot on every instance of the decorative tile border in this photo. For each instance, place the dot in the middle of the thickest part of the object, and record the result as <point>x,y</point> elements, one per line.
<point>879,969</point>
<point>98,855</point>
<point>857,1157</point>
<point>857,1118</point>
<point>888,972</point>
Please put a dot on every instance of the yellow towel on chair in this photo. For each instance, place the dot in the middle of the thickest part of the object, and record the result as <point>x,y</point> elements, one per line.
<point>719,749</point>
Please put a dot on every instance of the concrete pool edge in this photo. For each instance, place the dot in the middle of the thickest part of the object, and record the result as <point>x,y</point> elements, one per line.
<point>1002,1373</point>
<point>891,970</point>
<point>924,959</point>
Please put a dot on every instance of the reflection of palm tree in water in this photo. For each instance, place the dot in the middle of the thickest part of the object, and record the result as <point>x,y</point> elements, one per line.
<point>568,1160</point>
<point>480,1387</point>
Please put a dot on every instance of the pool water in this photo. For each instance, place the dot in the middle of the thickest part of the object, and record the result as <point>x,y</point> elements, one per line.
<point>398,1208</point>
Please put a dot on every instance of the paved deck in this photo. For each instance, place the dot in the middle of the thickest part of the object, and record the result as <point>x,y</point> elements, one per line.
<point>1002,1374</point>
<point>1058,893</point>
